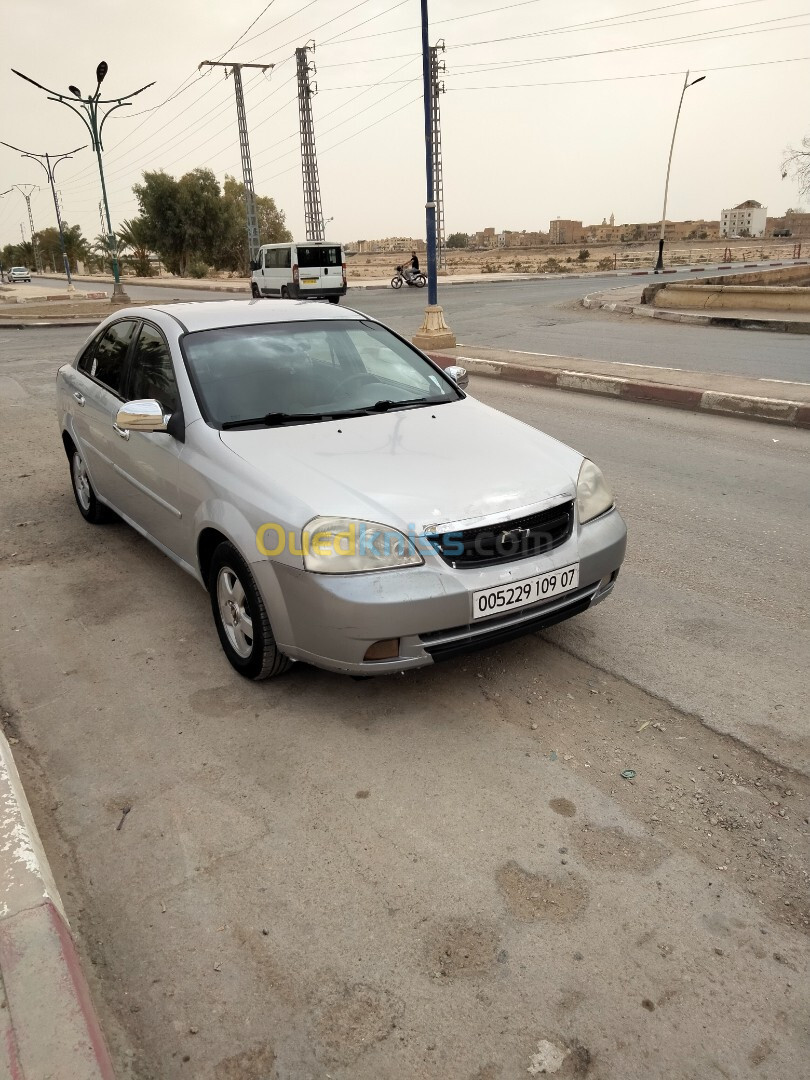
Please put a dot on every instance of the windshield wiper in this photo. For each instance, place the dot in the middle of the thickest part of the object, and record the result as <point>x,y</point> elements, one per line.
<point>275,419</point>
<point>386,405</point>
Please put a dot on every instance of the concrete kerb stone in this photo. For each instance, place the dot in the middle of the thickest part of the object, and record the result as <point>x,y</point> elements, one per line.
<point>793,413</point>
<point>48,1026</point>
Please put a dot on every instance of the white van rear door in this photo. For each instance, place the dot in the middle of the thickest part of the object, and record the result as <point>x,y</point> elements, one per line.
<point>319,267</point>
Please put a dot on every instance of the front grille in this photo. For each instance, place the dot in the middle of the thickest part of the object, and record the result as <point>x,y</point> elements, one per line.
<point>506,541</point>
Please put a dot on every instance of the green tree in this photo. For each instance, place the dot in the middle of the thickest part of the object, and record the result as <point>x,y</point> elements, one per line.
<point>164,228</point>
<point>272,226</point>
<point>584,255</point>
<point>133,236</point>
<point>50,248</point>
<point>458,240</point>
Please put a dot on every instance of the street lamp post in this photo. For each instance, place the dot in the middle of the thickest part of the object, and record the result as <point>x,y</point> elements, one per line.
<point>89,110</point>
<point>49,165</point>
<point>659,266</point>
<point>434,333</point>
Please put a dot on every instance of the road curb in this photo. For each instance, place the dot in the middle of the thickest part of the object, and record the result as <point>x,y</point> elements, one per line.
<point>695,399</point>
<point>48,1026</point>
<point>598,301</point>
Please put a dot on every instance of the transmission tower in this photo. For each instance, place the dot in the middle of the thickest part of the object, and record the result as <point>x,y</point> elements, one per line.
<point>254,241</point>
<point>313,211</point>
<point>27,196</point>
<point>437,68</point>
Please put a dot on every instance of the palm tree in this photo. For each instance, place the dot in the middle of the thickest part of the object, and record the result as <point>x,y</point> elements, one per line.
<point>76,245</point>
<point>132,235</point>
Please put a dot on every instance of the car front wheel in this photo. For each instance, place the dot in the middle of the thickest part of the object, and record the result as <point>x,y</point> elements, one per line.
<point>241,617</point>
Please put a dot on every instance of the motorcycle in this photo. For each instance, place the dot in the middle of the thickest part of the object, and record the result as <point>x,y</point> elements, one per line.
<point>416,277</point>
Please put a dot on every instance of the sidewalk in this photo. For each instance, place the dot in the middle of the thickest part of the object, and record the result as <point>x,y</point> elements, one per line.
<point>627,301</point>
<point>48,1027</point>
<point>730,395</point>
<point>243,285</point>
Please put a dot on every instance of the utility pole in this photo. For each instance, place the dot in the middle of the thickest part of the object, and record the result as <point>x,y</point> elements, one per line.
<point>27,196</point>
<point>437,68</point>
<point>313,211</point>
<point>88,110</point>
<point>659,266</point>
<point>49,165</point>
<point>434,333</point>
<point>254,241</point>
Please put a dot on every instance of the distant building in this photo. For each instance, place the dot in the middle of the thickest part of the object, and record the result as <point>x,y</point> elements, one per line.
<point>565,231</point>
<point>791,223</point>
<point>747,219</point>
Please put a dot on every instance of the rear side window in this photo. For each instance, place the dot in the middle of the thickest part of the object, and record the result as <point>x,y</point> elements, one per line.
<point>319,256</point>
<point>152,370</point>
<point>86,359</point>
<point>109,360</point>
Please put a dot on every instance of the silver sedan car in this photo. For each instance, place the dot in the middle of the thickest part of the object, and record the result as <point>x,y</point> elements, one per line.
<point>340,497</point>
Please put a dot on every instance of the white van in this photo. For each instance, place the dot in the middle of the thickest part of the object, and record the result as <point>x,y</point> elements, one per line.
<point>307,271</point>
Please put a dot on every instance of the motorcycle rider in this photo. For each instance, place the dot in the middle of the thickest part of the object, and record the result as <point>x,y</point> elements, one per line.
<point>413,268</point>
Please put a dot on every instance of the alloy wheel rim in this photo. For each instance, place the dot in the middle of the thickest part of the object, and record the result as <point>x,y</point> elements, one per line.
<point>81,481</point>
<point>233,612</point>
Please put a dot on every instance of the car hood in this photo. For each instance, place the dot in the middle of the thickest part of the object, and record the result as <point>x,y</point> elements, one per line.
<point>453,464</point>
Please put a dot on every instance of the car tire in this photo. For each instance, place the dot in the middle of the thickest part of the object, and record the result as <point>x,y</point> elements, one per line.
<point>334,299</point>
<point>284,293</point>
<point>241,617</point>
<point>89,507</point>
<point>254,291</point>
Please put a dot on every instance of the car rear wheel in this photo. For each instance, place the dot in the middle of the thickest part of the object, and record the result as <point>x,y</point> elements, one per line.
<point>334,299</point>
<point>285,295</point>
<point>254,291</point>
<point>241,617</point>
<point>89,506</point>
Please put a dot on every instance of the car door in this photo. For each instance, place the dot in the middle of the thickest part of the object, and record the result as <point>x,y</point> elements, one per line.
<point>146,462</point>
<point>97,390</point>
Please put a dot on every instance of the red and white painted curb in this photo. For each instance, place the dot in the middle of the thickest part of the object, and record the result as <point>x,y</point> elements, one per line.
<point>778,410</point>
<point>48,1026</point>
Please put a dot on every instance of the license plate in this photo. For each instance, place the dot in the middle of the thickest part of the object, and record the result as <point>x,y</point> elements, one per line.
<point>309,281</point>
<point>528,591</point>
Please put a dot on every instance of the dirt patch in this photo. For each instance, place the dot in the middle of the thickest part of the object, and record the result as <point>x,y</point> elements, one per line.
<point>253,1064</point>
<point>534,896</point>
<point>563,807</point>
<point>358,1017</point>
<point>613,849</point>
<point>463,948</point>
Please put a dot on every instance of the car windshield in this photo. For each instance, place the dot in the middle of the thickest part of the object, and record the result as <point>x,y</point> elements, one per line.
<point>303,372</point>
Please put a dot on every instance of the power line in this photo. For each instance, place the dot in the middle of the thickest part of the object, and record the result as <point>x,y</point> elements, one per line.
<point>523,3</point>
<point>353,136</point>
<point>597,24</point>
<point>710,35</point>
<point>621,78</point>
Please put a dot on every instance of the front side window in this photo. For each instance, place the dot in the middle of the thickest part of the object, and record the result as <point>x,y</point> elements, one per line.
<point>109,359</point>
<point>300,372</point>
<point>153,371</point>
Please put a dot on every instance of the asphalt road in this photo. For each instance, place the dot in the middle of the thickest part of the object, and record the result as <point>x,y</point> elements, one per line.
<point>433,875</point>
<point>544,316</point>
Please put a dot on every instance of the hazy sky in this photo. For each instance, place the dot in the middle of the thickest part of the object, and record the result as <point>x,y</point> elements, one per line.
<point>553,107</point>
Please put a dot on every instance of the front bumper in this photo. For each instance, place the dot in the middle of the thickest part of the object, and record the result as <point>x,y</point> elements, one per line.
<point>331,620</point>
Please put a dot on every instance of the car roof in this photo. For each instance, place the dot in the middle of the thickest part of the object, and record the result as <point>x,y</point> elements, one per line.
<point>218,314</point>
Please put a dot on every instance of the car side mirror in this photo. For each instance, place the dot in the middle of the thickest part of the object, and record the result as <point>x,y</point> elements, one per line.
<point>458,375</point>
<point>144,415</point>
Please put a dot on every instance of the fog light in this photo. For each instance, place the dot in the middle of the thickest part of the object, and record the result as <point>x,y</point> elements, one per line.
<point>383,650</point>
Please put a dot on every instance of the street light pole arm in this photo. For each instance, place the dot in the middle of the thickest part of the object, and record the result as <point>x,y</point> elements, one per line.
<point>120,105</point>
<point>34,82</point>
<point>108,101</point>
<point>79,113</point>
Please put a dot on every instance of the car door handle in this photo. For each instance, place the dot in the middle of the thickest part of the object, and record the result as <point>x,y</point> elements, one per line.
<point>79,397</point>
<point>123,432</point>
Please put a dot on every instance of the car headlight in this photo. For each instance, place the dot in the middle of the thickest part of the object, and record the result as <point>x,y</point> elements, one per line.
<point>346,546</point>
<point>594,497</point>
